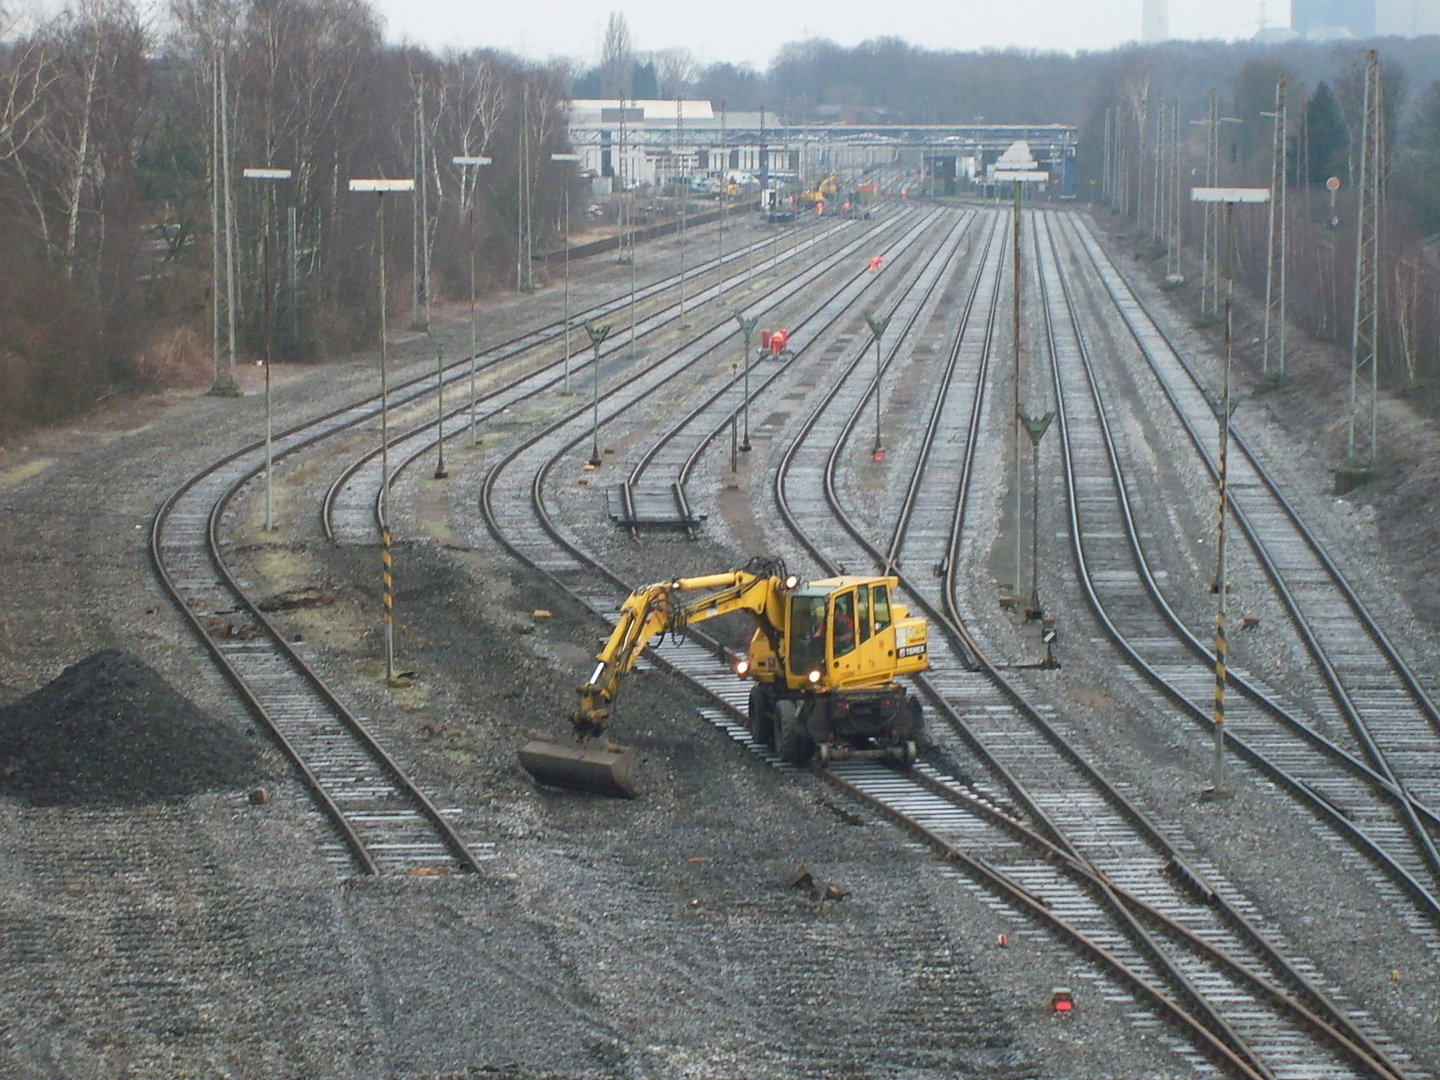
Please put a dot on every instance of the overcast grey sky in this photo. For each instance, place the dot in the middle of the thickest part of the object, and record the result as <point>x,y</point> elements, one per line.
<point>750,31</point>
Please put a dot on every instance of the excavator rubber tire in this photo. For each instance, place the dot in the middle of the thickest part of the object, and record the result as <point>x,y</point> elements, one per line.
<point>601,770</point>
<point>791,742</point>
<point>762,715</point>
<point>915,717</point>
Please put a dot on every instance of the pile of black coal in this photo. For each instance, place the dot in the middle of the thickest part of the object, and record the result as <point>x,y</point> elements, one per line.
<point>110,731</point>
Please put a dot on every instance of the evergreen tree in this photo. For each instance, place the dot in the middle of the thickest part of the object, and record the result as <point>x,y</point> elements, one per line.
<point>1329,139</point>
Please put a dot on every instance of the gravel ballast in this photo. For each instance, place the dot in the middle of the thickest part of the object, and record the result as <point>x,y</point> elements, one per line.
<point>202,934</point>
<point>110,731</point>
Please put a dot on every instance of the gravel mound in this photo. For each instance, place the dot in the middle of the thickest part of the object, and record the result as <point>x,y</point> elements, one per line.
<point>110,731</point>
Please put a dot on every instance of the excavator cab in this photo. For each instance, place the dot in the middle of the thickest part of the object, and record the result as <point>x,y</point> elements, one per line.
<point>832,691</point>
<point>843,634</point>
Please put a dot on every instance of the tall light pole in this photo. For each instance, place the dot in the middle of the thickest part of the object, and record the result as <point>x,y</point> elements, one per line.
<point>1210,252</point>
<point>230,388</point>
<point>1223,408</point>
<point>469,166</point>
<point>524,244</point>
<point>1361,455</point>
<point>267,174</point>
<point>720,233</point>
<point>878,323</point>
<point>380,188</point>
<point>570,158</point>
<point>598,334</point>
<point>747,327</point>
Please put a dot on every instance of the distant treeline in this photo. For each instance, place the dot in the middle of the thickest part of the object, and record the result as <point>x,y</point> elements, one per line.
<point>108,136</point>
<point>888,80</point>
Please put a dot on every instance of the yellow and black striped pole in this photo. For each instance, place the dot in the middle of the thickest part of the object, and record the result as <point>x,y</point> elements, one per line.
<point>1217,781</point>
<point>380,186</point>
<point>387,594</point>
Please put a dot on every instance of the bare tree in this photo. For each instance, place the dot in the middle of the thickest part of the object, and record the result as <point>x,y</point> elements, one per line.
<point>675,69</point>
<point>1406,307</point>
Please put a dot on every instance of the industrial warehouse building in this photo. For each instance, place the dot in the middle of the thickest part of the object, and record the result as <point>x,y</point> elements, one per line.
<point>658,142</point>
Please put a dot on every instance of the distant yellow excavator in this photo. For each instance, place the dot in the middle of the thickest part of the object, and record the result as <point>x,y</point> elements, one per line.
<point>824,658</point>
<point>824,191</point>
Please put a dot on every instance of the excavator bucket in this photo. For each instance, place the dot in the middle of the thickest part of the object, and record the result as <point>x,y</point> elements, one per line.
<point>607,770</point>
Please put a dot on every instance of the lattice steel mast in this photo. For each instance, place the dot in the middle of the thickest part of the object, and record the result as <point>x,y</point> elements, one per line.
<point>1364,358</point>
<point>1272,356</point>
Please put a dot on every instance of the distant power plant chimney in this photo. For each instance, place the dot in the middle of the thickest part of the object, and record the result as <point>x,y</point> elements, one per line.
<point>1155,20</point>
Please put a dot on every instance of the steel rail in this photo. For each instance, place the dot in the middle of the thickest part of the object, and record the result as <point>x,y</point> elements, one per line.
<point>692,458</point>
<point>1347,1040</point>
<point>272,659</point>
<point>1048,259</point>
<point>290,441</point>
<point>1307,791</point>
<point>418,438</point>
<point>663,372</point>
<point>554,537</point>
<point>542,514</point>
<point>417,389</point>
<point>1341,693</point>
<point>1218,1030</point>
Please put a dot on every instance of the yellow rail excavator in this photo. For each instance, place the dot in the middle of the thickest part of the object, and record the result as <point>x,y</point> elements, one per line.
<point>824,657</point>
<point>824,191</point>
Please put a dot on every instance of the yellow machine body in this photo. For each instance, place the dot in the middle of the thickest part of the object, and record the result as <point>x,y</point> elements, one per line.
<point>824,657</point>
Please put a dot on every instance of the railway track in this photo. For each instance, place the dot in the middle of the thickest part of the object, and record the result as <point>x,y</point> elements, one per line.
<point>1030,758</point>
<point>1392,716</point>
<point>1237,1001</point>
<point>384,822</point>
<point>513,496</point>
<point>1359,799</point>
<point>352,511</point>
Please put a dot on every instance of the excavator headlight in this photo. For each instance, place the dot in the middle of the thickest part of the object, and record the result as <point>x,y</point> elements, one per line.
<point>675,586</point>
<point>792,581</point>
<point>742,667</point>
<point>814,676</point>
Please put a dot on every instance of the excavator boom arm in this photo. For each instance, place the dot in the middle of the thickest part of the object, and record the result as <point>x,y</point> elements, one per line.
<point>652,610</point>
